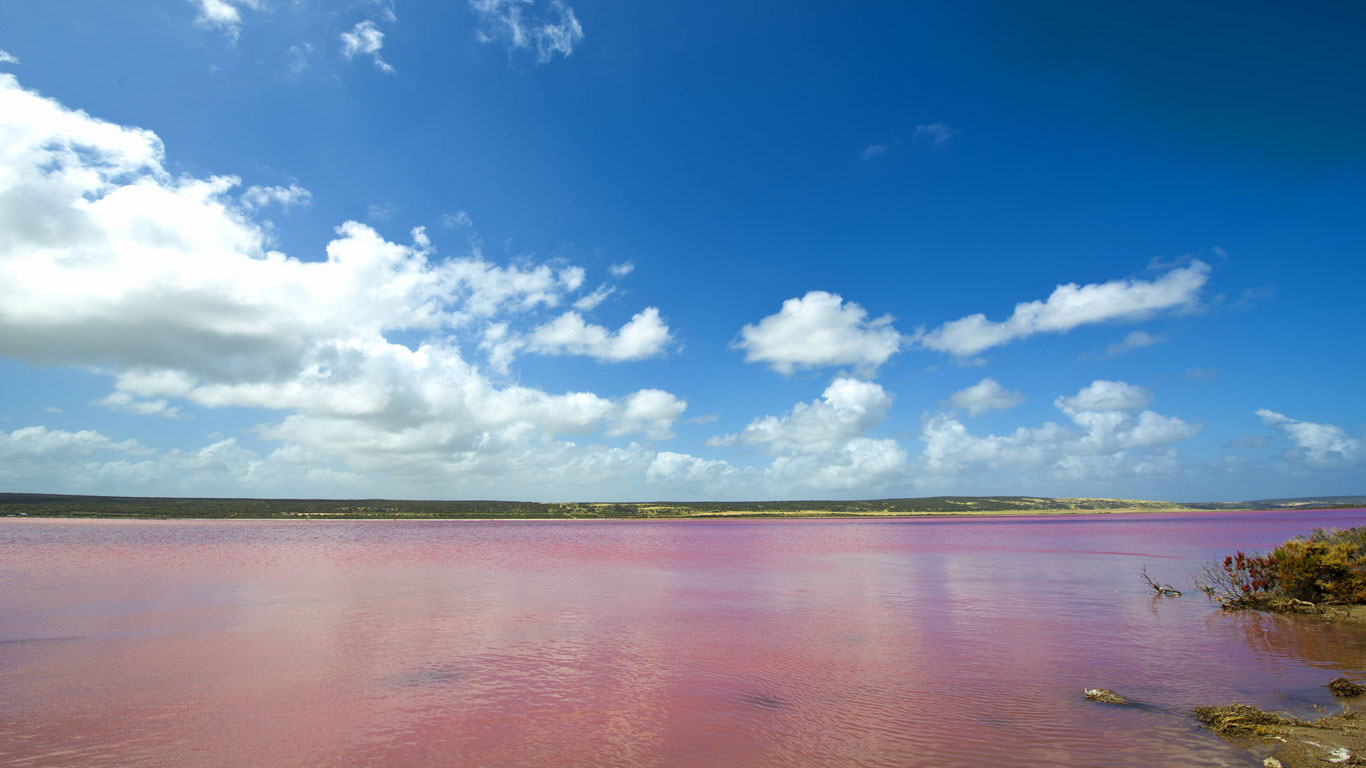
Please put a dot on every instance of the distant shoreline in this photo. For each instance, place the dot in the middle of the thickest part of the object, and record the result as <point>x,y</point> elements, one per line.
<point>737,516</point>
<point>35,505</point>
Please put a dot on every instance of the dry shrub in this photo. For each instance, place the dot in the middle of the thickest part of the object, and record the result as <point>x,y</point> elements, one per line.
<point>1327,567</point>
<point>1240,581</point>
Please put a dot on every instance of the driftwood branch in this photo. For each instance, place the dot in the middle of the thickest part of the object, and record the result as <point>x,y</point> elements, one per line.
<point>1166,590</point>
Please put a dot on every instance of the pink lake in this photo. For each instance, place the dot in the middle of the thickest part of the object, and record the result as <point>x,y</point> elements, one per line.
<point>939,642</point>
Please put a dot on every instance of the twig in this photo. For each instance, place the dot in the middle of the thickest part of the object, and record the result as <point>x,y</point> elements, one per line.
<point>1161,589</point>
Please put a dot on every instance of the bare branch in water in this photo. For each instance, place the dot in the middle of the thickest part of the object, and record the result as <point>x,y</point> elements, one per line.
<point>1166,590</point>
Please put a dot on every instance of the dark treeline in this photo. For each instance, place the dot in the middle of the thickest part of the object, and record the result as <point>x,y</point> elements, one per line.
<point>55,505</point>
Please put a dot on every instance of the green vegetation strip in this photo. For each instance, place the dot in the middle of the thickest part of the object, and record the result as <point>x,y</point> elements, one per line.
<point>52,505</point>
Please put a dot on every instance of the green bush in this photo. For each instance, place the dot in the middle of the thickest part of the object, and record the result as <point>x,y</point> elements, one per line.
<point>1326,567</point>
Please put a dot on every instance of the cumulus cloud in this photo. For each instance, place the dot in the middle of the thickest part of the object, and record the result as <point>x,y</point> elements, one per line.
<point>622,269</point>
<point>39,458</point>
<point>819,329</point>
<point>1072,305</point>
<point>547,27</point>
<point>8,58</point>
<point>123,401</point>
<point>984,396</point>
<point>821,446</point>
<point>862,464</point>
<point>365,39</point>
<point>31,444</point>
<point>1106,438</point>
<point>689,471</point>
<point>644,336</point>
<point>1102,395</point>
<point>846,409</point>
<point>938,134</point>
<point>109,260</point>
<point>1316,446</point>
<point>651,412</point>
<point>285,197</point>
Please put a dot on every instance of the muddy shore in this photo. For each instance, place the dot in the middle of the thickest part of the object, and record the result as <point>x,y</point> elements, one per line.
<point>1280,740</point>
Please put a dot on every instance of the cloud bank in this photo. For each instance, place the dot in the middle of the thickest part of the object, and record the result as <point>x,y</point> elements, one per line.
<point>166,283</point>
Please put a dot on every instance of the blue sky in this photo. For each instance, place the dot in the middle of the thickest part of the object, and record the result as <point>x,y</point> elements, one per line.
<point>584,250</point>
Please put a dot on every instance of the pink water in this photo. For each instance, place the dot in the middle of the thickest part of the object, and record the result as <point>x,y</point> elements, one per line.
<point>693,643</point>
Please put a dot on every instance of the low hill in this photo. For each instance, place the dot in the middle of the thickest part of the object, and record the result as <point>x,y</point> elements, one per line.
<point>1303,502</point>
<point>55,505</point>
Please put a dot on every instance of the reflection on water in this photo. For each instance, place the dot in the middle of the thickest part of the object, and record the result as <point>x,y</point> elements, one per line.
<point>697,643</point>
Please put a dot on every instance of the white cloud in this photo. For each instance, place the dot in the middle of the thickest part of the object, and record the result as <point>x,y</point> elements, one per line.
<point>123,401</point>
<point>846,409</point>
<point>651,412</point>
<point>693,475</point>
<point>110,261</point>
<point>38,459</point>
<point>457,220</point>
<point>1317,446</point>
<point>589,302</point>
<point>1072,305</point>
<point>984,396</point>
<point>1106,438</point>
<point>937,133</point>
<point>8,58</point>
<point>386,9</point>
<point>821,447</point>
<point>285,197</point>
<point>873,150</point>
<point>226,15</point>
<point>37,444</point>
<point>365,38</point>
<point>819,329</point>
<point>549,27</point>
<point>646,335</point>
<point>862,465</point>
<point>572,277</point>
<point>622,269</point>
<point>1102,395</point>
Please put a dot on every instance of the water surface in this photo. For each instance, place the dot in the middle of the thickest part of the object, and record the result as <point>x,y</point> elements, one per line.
<point>639,643</point>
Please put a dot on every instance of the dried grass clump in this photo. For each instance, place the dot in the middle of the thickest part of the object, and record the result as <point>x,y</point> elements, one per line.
<point>1105,696</point>
<point>1240,720</point>
<point>1346,688</point>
